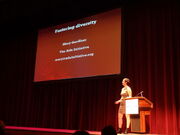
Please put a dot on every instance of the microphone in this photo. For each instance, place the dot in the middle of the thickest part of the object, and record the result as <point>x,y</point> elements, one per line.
<point>140,93</point>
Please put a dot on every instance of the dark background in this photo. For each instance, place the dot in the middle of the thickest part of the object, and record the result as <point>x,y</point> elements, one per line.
<point>150,58</point>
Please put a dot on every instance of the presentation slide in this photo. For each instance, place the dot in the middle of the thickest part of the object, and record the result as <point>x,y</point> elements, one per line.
<point>86,47</point>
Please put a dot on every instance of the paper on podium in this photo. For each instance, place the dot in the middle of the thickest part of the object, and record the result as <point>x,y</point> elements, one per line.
<point>132,106</point>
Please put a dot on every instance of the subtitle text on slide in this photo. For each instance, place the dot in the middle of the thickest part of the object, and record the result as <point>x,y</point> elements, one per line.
<point>74,57</point>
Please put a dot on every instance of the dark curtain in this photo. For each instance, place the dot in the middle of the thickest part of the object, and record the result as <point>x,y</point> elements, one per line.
<point>150,58</point>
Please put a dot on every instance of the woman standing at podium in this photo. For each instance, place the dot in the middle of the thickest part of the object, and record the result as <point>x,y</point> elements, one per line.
<point>125,93</point>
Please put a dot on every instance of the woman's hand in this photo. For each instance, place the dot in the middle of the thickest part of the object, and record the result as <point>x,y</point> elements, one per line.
<point>117,102</point>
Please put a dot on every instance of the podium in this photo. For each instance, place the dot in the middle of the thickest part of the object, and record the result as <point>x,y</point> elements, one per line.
<point>139,108</point>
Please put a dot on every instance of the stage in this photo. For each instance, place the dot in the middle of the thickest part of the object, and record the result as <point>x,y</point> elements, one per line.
<point>13,130</point>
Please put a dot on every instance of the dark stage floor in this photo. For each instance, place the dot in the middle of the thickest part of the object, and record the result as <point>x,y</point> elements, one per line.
<point>13,130</point>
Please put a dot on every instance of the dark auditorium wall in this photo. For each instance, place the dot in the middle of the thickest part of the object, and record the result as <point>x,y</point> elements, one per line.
<point>150,58</point>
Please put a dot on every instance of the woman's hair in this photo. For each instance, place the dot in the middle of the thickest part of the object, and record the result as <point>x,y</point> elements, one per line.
<point>127,80</point>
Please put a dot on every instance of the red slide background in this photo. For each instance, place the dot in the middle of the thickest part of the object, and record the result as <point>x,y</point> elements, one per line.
<point>103,39</point>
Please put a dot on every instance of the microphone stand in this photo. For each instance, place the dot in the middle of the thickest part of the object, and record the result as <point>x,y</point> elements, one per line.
<point>140,93</point>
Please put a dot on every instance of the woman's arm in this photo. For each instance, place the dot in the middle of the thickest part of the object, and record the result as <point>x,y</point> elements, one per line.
<point>129,92</point>
<point>118,101</point>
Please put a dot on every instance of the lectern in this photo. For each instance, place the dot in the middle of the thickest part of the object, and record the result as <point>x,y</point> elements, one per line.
<point>138,107</point>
